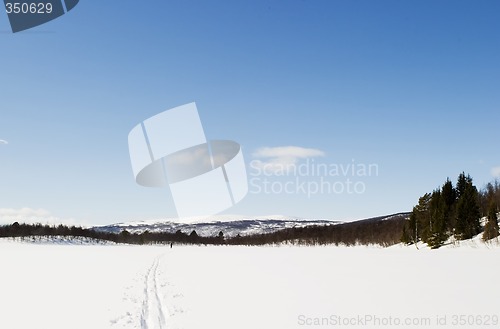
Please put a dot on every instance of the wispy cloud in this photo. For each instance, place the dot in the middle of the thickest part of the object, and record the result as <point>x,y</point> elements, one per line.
<point>287,151</point>
<point>28,212</point>
<point>31,216</point>
<point>3,142</point>
<point>495,171</point>
<point>281,159</point>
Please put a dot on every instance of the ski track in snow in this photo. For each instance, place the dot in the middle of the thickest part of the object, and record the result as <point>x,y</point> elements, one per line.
<point>153,311</point>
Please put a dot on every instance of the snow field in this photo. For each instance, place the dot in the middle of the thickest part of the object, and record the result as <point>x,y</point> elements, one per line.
<point>113,286</point>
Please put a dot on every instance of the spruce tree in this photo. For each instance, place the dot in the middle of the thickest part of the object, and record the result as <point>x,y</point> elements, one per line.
<point>423,218</point>
<point>467,215</point>
<point>491,227</point>
<point>411,231</point>
<point>462,183</point>
<point>449,196</point>
<point>406,235</point>
<point>437,220</point>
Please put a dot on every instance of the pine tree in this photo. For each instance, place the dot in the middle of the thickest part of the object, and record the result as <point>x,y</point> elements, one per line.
<point>422,218</point>
<point>193,237</point>
<point>220,237</point>
<point>406,236</point>
<point>410,229</point>
<point>462,183</point>
<point>437,220</point>
<point>467,216</point>
<point>491,227</point>
<point>449,196</point>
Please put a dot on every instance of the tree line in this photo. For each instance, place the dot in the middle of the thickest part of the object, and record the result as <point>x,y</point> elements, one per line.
<point>382,231</point>
<point>449,211</point>
<point>17,230</point>
<point>454,211</point>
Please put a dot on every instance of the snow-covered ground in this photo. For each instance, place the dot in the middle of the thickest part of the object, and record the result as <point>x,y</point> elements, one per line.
<point>65,285</point>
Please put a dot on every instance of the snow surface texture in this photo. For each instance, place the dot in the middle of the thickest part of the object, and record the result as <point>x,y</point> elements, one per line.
<point>116,286</point>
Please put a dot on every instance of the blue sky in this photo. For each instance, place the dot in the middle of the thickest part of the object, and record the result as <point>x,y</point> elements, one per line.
<point>411,86</point>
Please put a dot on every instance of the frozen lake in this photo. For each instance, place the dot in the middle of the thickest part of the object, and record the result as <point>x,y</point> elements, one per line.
<point>119,286</point>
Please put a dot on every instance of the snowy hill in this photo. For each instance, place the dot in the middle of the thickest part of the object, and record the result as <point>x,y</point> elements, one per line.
<point>229,225</point>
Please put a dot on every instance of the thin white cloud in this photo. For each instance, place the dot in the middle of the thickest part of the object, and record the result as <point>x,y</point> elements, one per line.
<point>32,216</point>
<point>28,212</point>
<point>278,166</point>
<point>280,160</point>
<point>495,171</point>
<point>3,142</point>
<point>287,151</point>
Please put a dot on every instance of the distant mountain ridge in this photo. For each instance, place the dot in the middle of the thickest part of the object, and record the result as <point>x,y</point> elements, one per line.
<point>229,225</point>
